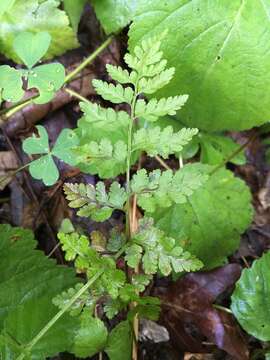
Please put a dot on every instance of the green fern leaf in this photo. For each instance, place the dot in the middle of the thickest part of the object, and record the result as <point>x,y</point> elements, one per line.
<point>162,189</point>
<point>85,300</point>
<point>74,244</point>
<point>158,252</point>
<point>154,109</point>
<point>151,85</point>
<point>95,202</point>
<point>121,75</point>
<point>156,141</point>
<point>104,158</point>
<point>117,94</point>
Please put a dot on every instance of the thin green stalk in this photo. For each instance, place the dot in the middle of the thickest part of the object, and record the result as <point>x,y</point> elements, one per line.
<point>76,95</point>
<point>47,327</point>
<point>17,107</point>
<point>88,60</point>
<point>4,178</point>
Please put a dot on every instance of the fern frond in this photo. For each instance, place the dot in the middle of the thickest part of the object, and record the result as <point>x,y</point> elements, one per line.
<point>156,141</point>
<point>158,252</point>
<point>154,109</point>
<point>162,189</point>
<point>94,201</point>
<point>117,94</point>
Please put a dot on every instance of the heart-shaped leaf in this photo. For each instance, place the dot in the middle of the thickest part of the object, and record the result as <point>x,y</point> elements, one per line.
<point>37,145</point>
<point>44,169</point>
<point>62,148</point>
<point>47,79</point>
<point>10,84</point>
<point>31,47</point>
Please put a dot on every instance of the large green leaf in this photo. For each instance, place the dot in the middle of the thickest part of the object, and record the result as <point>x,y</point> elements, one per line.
<point>251,299</point>
<point>28,282</point>
<point>120,342</point>
<point>211,221</point>
<point>74,10</point>
<point>114,14</point>
<point>35,16</point>
<point>91,337</point>
<point>219,49</point>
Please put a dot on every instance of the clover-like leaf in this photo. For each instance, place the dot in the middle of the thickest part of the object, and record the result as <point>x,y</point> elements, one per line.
<point>44,168</point>
<point>47,78</point>
<point>10,84</point>
<point>63,146</point>
<point>31,47</point>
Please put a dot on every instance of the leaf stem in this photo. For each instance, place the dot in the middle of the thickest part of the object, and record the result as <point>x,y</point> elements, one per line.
<point>76,95</point>
<point>158,158</point>
<point>46,328</point>
<point>88,60</point>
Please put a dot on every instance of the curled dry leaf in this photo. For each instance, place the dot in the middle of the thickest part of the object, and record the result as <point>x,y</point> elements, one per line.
<point>189,316</point>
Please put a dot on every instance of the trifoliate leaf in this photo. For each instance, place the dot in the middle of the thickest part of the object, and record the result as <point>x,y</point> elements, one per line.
<point>74,10</point>
<point>250,299</point>
<point>216,55</point>
<point>207,223</point>
<point>152,110</point>
<point>162,189</point>
<point>91,337</point>
<point>116,94</point>
<point>31,47</point>
<point>159,251</point>
<point>10,84</point>
<point>155,141</point>
<point>47,79</point>
<point>114,15</point>
<point>74,244</point>
<point>119,345</point>
<point>104,158</point>
<point>94,201</point>
<point>29,281</point>
<point>35,16</point>
<point>44,168</point>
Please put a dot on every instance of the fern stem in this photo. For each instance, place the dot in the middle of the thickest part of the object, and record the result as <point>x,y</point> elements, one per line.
<point>162,162</point>
<point>46,328</point>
